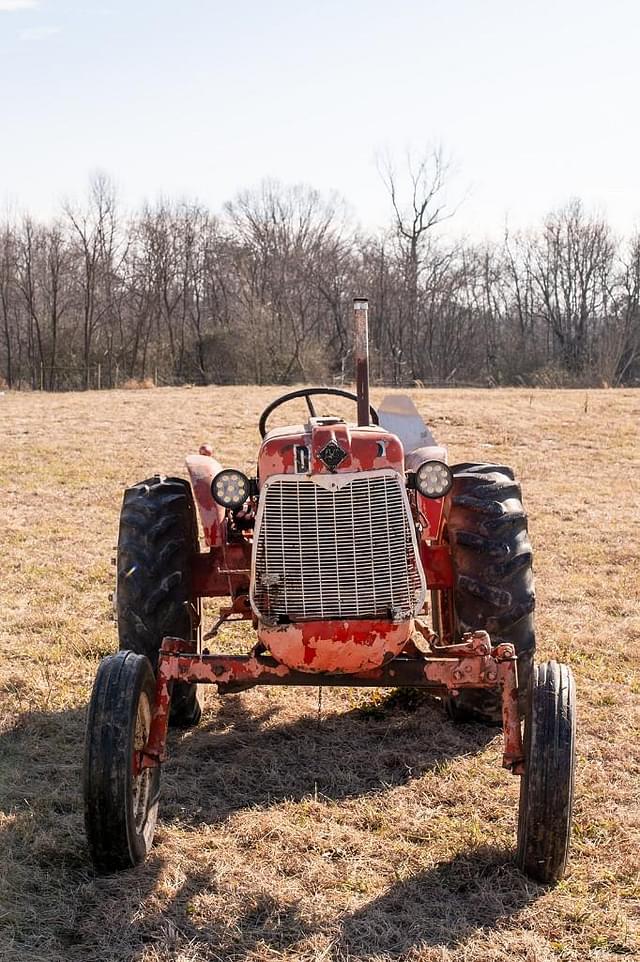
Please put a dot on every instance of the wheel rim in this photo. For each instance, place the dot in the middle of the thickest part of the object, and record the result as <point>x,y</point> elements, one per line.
<point>142,777</point>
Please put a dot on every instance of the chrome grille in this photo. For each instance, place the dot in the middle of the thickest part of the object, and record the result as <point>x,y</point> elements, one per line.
<point>349,552</point>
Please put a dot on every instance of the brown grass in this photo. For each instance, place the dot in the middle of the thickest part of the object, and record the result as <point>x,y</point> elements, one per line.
<point>375,832</point>
<point>136,385</point>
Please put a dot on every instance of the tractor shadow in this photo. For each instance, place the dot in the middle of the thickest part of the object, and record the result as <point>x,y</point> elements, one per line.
<point>445,906</point>
<point>241,759</point>
<point>243,756</point>
<point>52,904</point>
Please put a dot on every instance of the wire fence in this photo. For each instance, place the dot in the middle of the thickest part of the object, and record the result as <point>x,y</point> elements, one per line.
<point>100,376</point>
<point>95,377</point>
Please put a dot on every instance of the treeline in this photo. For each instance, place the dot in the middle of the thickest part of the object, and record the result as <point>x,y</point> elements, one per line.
<point>262,294</point>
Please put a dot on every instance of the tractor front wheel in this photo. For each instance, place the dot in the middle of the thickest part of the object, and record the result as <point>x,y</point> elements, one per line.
<point>546,789</point>
<point>120,796</point>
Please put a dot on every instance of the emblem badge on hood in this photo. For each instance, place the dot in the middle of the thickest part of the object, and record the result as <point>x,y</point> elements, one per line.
<point>332,455</point>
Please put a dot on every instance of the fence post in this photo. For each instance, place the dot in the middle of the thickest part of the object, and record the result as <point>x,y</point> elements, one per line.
<point>99,375</point>
<point>155,376</point>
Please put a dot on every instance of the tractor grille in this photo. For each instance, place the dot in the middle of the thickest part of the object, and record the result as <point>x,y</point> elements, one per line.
<point>345,553</point>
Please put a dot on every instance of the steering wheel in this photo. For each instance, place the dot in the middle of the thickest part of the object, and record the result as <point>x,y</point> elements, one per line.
<point>307,393</point>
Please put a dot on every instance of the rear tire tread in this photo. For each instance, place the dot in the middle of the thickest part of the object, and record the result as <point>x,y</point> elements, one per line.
<point>157,543</point>
<point>492,560</point>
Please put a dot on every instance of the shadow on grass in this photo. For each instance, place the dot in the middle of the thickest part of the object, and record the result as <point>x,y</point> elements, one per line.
<point>444,906</point>
<point>239,759</point>
<point>53,906</point>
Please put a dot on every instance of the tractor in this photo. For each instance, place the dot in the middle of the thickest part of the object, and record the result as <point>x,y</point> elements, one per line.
<point>362,558</point>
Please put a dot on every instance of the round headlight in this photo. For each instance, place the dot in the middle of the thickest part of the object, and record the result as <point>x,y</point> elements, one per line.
<point>434,479</point>
<point>230,488</point>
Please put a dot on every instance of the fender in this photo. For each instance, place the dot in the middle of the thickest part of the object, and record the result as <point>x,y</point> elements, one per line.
<point>202,470</point>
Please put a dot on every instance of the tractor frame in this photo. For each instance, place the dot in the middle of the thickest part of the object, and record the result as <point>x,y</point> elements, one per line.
<point>445,671</point>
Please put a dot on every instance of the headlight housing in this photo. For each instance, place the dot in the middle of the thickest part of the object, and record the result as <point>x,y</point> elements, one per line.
<point>231,489</point>
<point>434,479</point>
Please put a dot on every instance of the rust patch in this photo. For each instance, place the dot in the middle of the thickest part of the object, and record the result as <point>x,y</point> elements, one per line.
<point>361,351</point>
<point>368,449</point>
<point>473,663</point>
<point>335,646</point>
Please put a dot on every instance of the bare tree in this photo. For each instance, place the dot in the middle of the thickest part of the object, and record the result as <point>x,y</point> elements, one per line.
<point>619,335</point>
<point>571,263</point>
<point>8,306</point>
<point>95,230</point>
<point>261,293</point>
<point>418,203</point>
<point>284,234</point>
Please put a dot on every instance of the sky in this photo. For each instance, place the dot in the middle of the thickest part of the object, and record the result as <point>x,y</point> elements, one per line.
<point>533,102</point>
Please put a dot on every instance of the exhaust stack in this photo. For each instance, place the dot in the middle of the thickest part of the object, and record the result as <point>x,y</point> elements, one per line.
<point>361,350</point>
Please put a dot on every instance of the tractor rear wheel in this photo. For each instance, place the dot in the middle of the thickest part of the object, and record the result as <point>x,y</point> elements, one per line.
<point>120,797</point>
<point>486,526</point>
<point>546,789</point>
<point>157,545</point>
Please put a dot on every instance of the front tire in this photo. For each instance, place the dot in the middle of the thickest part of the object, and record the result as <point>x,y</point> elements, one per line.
<point>120,797</point>
<point>547,786</point>
<point>157,546</point>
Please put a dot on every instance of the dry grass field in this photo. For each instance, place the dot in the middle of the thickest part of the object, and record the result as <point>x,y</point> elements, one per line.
<point>371,830</point>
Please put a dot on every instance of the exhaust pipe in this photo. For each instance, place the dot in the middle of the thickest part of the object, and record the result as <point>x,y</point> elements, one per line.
<point>361,350</point>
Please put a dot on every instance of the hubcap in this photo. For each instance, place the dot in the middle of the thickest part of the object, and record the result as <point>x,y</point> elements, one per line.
<point>142,776</point>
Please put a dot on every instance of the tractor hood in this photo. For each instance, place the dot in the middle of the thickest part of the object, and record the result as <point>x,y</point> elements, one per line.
<point>329,446</point>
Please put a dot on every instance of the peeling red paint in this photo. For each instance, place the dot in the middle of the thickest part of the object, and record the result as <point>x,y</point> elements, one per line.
<point>368,449</point>
<point>472,664</point>
<point>277,454</point>
<point>513,756</point>
<point>436,561</point>
<point>335,646</point>
<point>202,470</point>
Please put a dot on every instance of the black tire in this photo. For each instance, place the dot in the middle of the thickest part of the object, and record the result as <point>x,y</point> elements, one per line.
<point>120,808</point>
<point>157,544</point>
<point>547,786</point>
<point>493,576</point>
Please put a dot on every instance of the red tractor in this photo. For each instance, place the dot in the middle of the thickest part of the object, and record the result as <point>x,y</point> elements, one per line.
<point>347,536</point>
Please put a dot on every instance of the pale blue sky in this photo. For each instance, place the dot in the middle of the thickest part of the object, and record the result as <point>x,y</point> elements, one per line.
<point>535,101</point>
